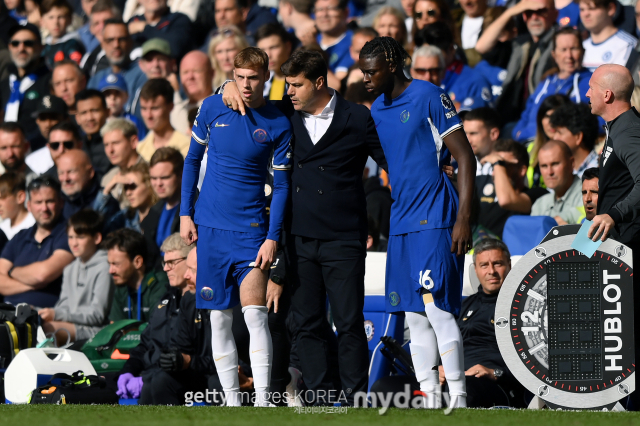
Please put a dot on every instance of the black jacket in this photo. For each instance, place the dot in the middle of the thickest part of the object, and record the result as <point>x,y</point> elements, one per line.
<point>91,198</point>
<point>619,185</point>
<point>95,150</point>
<point>328,199</point>
<point>193,335</point>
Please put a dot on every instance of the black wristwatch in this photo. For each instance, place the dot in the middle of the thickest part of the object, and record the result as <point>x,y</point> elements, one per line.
<point>500,163</point>
<point>498,373</point>
<point>277,279</point>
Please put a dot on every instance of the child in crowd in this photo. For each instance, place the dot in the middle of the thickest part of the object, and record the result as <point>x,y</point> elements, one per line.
<point>87,288</point>
<point>59,45</point>
<point>14,216</point>
<point>116,94</point>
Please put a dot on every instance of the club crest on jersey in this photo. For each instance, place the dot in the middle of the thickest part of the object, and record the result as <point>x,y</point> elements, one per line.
<point>260,135</point>
<point>206,293</point>
<point>394,298</point>
<point>404,116</point>
<point>369,329</point>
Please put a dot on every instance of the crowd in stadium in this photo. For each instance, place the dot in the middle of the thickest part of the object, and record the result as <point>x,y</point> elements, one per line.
<point>98,99</point>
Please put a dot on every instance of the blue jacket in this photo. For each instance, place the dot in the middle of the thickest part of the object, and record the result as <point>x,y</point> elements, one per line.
<point>494,74</point>
<point>575,87</point>
<point>466,88</point>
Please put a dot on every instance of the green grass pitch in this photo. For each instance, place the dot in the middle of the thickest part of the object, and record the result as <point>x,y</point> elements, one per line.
<point>71,415</point>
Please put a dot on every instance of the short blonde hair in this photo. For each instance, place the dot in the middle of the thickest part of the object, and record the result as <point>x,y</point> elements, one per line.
<point>232,31</point>
<point>389,10</point>
<point>126,126</point>
<point>174,242</point>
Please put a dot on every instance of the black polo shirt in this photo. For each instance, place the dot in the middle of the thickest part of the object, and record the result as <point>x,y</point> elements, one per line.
<point>23,250</point>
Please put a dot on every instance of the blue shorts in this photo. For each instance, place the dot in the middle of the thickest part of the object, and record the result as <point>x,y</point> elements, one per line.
<point>423,261</point>
<point>224,260</point>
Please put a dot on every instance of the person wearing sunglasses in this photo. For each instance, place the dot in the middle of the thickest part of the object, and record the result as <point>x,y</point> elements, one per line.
<point>28,80</point>
<point>427,12</point>
<point>31,264</point>
<point>63,137</point>
<point>531,52</point>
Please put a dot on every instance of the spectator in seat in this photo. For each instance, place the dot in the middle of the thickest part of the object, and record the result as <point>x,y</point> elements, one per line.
<point>223,47</point>
<point>81,186</point>
<point>87,289</point>
<point>67,80</point>
<point>13,149</point>
<point>59,45</point>
<point>360,37</point>
<point>92,115</point>
<point>482,126</point>
<point>503,193</point>
<point>531,53</point>
<point>62,137</point>
<point>120,138</point>
<point>427,12</point>
<point>13,195</point>
<point>468,26</point>
<point>138,288</point>
<point>428,64</point>
<point>87,38</point>
<point>196,76</point>
<point>94,59</point>
<point>389,22</point>
<point>156,101</point>
<point>606,43</point>
<point>165,169</point>
<point>489,381</point>
<point>578,128</point>
<point>571,80</point>
<point>173,356</point>
<point>158,21</point>
<point>556,166</point>
<point>117,46</point>
<point>296,17</point>
<point>466,88</point>
<point>28,74</point>
<point>114,88</point>
<point>51,110</point>
<point>31,263</point>
<point>334,36</point>
<point>590,180</point>
<point>244,14</point>
<point>275,41</point>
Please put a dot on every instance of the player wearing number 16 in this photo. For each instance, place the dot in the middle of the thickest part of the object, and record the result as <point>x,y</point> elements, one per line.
<point>235,249</point>
<point>419,129</point>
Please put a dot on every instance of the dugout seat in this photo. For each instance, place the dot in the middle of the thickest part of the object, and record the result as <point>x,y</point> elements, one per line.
<point>522,233</point>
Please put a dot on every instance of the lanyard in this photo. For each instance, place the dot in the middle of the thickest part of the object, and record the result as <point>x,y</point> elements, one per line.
<point>139,301</point>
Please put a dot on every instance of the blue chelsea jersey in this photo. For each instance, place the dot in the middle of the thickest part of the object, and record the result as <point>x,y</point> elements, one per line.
<point>411,128</point>
<point>232,197</point>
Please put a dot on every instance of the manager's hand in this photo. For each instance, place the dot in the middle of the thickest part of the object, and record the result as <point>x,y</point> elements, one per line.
<point>231,97</point>
<point>274,291</point>
<point>188,230</point>
<point>602,224</point>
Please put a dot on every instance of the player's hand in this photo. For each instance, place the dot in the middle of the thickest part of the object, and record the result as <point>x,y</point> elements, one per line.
<point>47,314</point>
<point>267,254</point>
<point>188,230</point>
<point>602,224</point>
<point>441,375</point>
<point>461,241</point>
<point>274,291</point>
<point>448,170</point>
<point>480,371</point>
<point>231,97</point>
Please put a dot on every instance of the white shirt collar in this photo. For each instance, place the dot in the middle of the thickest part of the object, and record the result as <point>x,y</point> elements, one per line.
<point>328,110</point>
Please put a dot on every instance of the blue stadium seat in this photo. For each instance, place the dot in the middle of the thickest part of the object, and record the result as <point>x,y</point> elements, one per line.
<point>522,233</point>
<point>377,324</point>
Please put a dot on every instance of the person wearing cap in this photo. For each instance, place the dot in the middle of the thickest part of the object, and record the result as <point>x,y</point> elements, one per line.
<point>196,76</point>
<point>28,81</point>
<point>67,80</point>
<point>117,46</point>
<point>115,93</point>
<point>158,21</point>
<point>51,110</point>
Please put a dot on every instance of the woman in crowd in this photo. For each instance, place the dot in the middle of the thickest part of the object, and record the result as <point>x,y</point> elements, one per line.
<point>570,79</point>
<point>223,47</point>
<point>427,12</point>
<point>389,22</point>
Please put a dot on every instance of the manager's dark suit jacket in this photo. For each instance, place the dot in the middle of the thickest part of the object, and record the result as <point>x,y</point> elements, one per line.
<point>328,199</point>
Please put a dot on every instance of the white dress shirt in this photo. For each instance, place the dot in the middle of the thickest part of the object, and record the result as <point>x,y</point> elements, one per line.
<point>317,125</point>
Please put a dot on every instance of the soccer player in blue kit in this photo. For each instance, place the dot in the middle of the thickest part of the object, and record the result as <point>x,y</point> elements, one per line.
<point>235,249</point>
<point>419,129</point>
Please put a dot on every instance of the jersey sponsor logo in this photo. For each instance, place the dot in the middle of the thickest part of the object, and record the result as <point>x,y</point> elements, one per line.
<point>404,116</point>
<point>606,56</point>
<point>486,94</point>
<point>488,189</point>
<point>260,135</point>
<point>394,298</point>
<point>424,278</point>
<point>221,125</point>
<point>369,329</point>
<point>206,293</point>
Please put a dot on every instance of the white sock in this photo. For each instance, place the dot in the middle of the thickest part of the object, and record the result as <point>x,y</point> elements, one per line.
<point>451,352</point>
<point>260,346</point>
<point>424,354</point>
<point>225,355</point>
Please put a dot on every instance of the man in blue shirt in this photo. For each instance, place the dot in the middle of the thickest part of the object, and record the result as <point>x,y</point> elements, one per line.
<point>429,230</point>
<point>234,257</point>
<point>334,37</point>
<point>31,263</point>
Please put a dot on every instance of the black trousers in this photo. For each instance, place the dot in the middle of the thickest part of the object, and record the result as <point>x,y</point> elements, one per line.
<point>335,269</point>
<point>163,388</point>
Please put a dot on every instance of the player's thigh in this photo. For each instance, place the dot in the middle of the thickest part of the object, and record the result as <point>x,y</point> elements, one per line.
<point>253,289</point>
